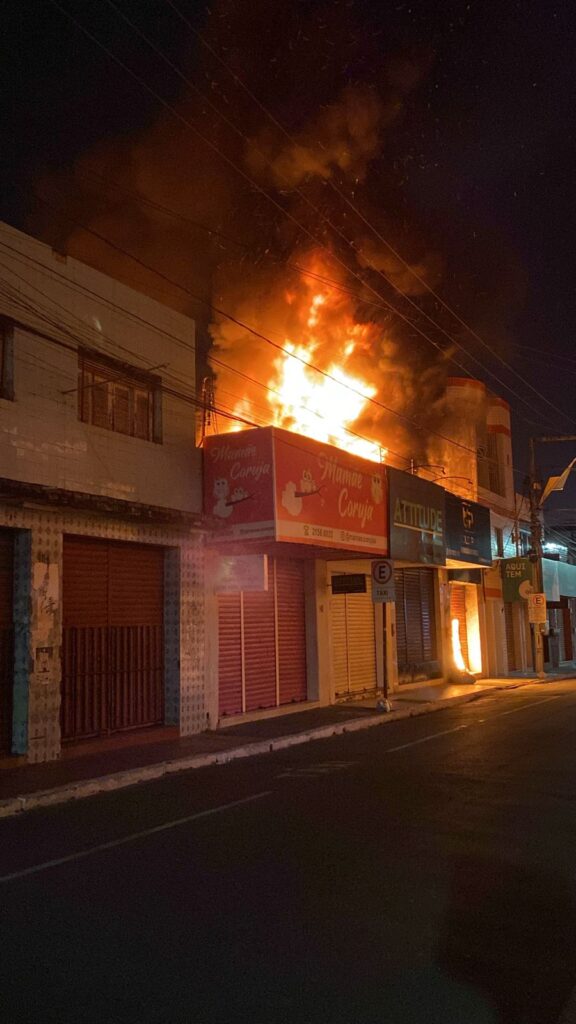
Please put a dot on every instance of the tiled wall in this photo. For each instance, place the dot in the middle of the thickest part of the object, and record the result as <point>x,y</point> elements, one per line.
<point>38,620</point>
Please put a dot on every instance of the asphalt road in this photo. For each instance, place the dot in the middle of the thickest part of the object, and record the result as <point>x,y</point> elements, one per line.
<point>419,872</point>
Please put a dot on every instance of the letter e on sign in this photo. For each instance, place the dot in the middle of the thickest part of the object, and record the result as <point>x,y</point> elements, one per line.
<point>537,608</point>
<point>382,580</point>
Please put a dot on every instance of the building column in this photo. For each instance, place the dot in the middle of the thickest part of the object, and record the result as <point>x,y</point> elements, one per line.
<point>193,705</point>
<point>317,600</point>
<point>44,642</point>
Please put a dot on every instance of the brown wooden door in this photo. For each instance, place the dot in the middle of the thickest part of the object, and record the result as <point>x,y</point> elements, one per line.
<point>113,637</point>
<point>6,638</point>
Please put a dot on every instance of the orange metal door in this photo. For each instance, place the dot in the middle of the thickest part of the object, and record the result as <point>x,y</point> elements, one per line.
<point>113,637</point>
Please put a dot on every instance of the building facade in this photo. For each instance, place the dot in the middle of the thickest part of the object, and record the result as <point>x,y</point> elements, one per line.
<point>102,612</point>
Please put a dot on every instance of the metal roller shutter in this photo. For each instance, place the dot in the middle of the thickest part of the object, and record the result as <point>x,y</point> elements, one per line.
<point>416,640</point>
<point>414,625</point>
<point>428,616</point>
<point>262,643</point>
<point>230,654</point>
<point>401,634</point>
<point>353,642</point>
<point>458,611</point>
<point>361,642</point>
<point>339,645</point>
<point>260,648</point>
<point>6,638</point>
<point>113,637</point>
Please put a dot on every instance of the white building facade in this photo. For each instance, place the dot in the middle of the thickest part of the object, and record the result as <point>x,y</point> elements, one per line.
<point>102,619</point>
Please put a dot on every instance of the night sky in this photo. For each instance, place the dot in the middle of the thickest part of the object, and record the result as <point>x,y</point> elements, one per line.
<point>475,166</point>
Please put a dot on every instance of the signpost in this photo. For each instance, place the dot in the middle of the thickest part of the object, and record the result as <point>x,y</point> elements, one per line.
<point>383,581</point>
<point>536,608</point>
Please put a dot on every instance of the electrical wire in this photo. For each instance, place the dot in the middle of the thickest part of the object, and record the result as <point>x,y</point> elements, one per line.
<point>352,206</point>
<point>270,198</point>
<point>17,299</point>
<point>263,337</point>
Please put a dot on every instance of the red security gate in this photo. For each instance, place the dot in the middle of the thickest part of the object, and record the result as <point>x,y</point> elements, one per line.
<point>262,642</point>
<point>6,639</point>
<point>113,637</point>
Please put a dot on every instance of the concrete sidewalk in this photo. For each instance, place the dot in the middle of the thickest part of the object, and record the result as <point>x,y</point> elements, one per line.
<point>87,772</point>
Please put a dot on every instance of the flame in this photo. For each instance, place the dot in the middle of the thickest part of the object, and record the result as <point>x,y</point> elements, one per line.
<point>457,647</point>
<point>314,389</point>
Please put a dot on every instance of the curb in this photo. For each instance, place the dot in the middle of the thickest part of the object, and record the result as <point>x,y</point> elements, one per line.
<point>132,776</point>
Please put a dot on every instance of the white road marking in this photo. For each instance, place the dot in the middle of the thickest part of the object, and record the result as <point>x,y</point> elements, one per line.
<point>468,725</point>
<point>433,736</point>
<point>534,704</point>
<point>323,768</point>
<point>133,837</point>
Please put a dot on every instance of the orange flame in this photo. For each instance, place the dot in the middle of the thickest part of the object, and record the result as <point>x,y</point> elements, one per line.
<point>457,647</point>
<point>313,389</point>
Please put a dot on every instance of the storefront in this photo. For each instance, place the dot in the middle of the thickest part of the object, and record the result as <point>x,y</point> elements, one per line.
<point>112,637</point>
<point>417,545</point>
<point>560,587</point>
<point>287,634</point>
<point>517,578</point>
<point>468,552</point>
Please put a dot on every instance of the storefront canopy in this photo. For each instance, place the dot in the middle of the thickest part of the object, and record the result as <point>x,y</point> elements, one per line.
<point>559,579</point>
<point>269,485</point>
<point>417,519</point>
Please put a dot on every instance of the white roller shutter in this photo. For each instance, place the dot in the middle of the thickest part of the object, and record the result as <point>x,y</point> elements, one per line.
<point>353,643</point>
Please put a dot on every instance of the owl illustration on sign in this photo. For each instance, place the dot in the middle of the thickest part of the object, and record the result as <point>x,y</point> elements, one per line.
<point>377,489</point>
<point>291,499</point>
<point>307,484</point>
<point>222,508</point>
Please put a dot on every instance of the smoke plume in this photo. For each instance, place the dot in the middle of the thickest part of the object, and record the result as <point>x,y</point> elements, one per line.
<point>204,237</point>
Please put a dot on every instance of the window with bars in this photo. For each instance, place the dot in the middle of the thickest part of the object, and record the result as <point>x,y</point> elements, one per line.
<point>6,358</point>
<point>119,399</point>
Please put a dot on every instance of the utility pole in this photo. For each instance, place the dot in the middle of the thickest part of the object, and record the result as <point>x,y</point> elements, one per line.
<point>536,538</point>
<point>535,489</point>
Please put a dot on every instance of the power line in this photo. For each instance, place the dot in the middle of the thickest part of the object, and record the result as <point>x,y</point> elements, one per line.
<point>352,206</point>
<point>187,398</point>
<point>270,198</point>
<point>19,300</point>
<point>263,337</point>
<point>358,212</point>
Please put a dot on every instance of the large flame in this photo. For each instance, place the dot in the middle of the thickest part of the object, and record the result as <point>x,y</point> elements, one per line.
<point>318,385</point>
